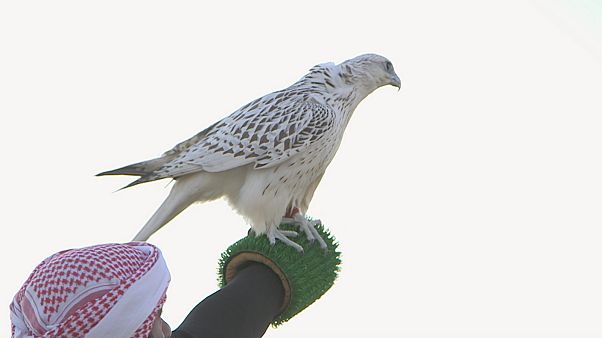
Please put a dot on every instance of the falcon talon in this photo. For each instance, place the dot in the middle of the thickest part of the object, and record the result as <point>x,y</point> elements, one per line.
<point>287,220</point>
<point>274,234</point>
<point>309,228</point>
<point>289,233</point>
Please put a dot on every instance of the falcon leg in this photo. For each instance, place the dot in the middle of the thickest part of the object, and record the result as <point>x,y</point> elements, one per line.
<point>307,226</point>
<point>283,235</point>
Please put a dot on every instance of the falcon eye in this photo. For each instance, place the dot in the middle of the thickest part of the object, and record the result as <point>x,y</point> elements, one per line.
<point>389,66</point>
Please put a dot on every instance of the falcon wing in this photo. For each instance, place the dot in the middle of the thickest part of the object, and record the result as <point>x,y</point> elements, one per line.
<point>265,133</point>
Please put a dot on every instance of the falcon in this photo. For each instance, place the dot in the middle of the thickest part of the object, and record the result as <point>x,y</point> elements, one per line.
<point>268,157</point>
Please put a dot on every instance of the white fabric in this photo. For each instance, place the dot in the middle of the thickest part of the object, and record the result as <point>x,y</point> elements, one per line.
<point>19,326</point>
<point>108,290</point>
<point>136,304</point>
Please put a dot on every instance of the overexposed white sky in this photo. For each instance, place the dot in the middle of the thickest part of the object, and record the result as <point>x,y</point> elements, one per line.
<point>467,205</point>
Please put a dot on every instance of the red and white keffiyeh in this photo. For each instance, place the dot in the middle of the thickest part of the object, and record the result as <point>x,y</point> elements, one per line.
<point>109,290</point>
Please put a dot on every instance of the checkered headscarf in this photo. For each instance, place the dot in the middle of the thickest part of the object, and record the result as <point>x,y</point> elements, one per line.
<point>108,290</point>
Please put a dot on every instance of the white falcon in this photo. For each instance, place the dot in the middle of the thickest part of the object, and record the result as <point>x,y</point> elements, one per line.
<point>267,158</point>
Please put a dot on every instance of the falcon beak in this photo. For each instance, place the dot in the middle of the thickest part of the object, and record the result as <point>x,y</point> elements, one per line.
<point>395,81</point>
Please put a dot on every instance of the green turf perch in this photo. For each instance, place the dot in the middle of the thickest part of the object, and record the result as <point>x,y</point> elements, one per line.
<point>305,276</point>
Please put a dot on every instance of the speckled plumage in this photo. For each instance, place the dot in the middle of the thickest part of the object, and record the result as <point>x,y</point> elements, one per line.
<point>267,157</point>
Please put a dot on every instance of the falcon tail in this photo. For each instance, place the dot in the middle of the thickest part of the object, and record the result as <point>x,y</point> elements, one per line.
<point>145,170</point>
<point>137,169</point>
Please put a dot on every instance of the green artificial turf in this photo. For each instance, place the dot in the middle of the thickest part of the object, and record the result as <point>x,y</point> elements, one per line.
<point>310,274</point>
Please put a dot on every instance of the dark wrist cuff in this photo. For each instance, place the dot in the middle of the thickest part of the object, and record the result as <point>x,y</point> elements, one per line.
<point>242,259</point>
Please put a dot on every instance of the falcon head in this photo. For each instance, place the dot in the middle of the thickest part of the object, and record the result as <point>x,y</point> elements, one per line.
<point>369,71</point>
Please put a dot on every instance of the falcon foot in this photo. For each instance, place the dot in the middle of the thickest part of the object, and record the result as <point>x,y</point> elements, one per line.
<point>283,236</point>
<point>307,226</point>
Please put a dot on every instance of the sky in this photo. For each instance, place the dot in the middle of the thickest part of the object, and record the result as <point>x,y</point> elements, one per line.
<point>468,204</point>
